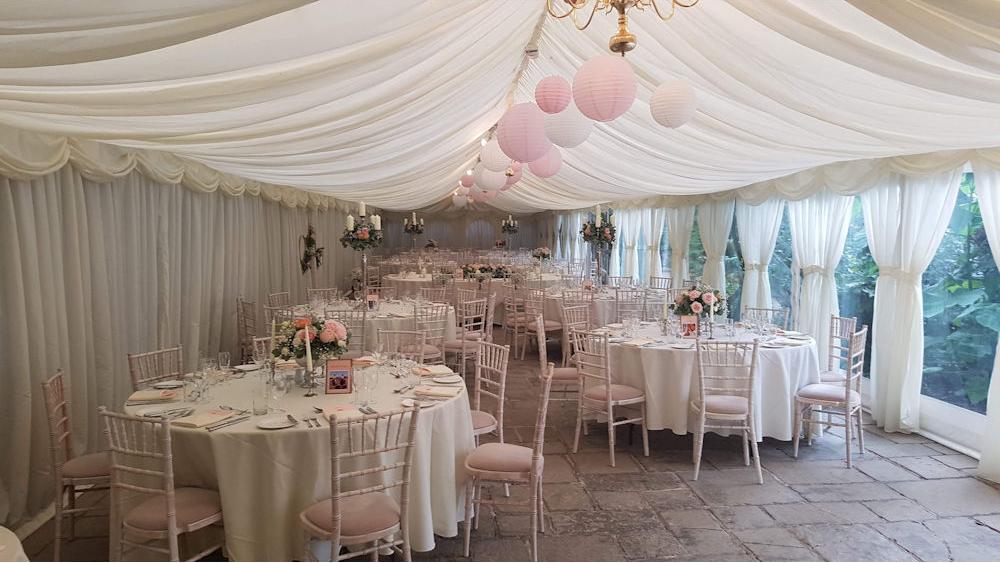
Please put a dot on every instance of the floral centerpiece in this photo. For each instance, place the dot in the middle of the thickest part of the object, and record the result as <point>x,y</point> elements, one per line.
<point>363,234</point>
<point>541,253</point>
<point>327,339</point>
<point>500,243</point>
<point>697,300</point>
<point>600,233</point>
<point>481,271</point>
<point>312,254</point>
<point>509,227</point>
<point>413,228</point>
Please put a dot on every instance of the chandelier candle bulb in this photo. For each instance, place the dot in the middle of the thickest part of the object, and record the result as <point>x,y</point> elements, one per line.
<point>377,222</point>
<point>421,221</point>
<point>350,221</point>
<point>309,358</point>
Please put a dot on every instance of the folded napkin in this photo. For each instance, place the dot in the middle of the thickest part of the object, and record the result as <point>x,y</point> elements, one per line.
<point>638,342</point>
<point>432,371</point>
<point>428,391</point>
<point>789,342</point>
<point>364,361</point>
<point>342,411</point>
<point>200,419</point>
<point>154,396</point>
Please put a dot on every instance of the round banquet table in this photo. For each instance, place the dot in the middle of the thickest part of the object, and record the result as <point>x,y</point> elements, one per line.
<point>267,477</point>
<point>602,309</point>
<point>408,285</point>
<point>670,379</point>
<point>390,315</point>
<point>10,546</point>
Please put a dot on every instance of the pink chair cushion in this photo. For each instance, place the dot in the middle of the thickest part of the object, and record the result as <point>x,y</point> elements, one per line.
<point>726,404</point>
<point>618,392</point>
<point>473,335</point>
<point>519,318</point>
<point>549,325</point>
<point>505,458</point>
<point>429,350</point>
<point>360,515</point>
<point>89,465</point>
<point>482,419</point>
<point>827,392</point>
<point>564,374</point>
<point>192,505</point>
<point>456,345</point>
<point>834,376</point>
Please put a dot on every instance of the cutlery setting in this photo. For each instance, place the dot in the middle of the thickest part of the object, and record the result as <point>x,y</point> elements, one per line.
<point>227,422</point>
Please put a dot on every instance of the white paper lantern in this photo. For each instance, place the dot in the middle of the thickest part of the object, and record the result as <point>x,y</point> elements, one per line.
<point>521,133</point>
<point>493,157</point>
<point>488,179</point>
<point>553,94</point>
<point>548,165</point>
<point>459,200</point>
<point>673,103</point>
<point>604,88</point>
<point>568,128</point>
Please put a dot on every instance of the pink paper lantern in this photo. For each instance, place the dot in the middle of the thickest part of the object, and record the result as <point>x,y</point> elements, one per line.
<point>553,94</point>
<point>604,88</point>
<point>516,166</point>
<point>521,133</point>
<point>468,180</point>
<point>548,165</point>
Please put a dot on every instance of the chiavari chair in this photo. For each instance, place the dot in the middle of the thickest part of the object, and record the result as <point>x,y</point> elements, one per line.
<point>281,299</point>
<point>471,318</point>
<point>628,303</point>
<point>152,367</point>
<point>246,327</point>
<point>534,305</point>
<point>566,378</point>
<point>323,294</point>
<point>356,322</point>
<point>491,383</point>
<point>660,282</point>
<point>409,344</point>
<point>839,352</point>
<point>778,316</point>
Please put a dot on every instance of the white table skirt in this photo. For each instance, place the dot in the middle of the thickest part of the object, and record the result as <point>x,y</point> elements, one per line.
<point>10,546</point>
<point>267,477</point>
<point>670,380</point>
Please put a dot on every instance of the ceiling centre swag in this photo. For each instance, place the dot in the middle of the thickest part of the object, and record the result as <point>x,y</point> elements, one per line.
<point>562,114</point>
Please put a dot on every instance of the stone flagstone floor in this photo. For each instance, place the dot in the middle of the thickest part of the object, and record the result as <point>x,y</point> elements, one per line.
<point>907,499</point>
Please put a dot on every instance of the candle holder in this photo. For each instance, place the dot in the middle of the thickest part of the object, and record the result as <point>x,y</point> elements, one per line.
<point>600,237</point>
<point>413,229</point>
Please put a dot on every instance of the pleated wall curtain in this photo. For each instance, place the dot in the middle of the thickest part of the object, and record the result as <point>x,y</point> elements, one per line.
<point>680,222</point>
<point>629,233</point>
<point>652,233</point>
<point>715,221</point>
<point>988,190</point>
<point>93,271</point>
<point>475,230</point>
<point>905,219</point>
<point>819,229</point>
<point>758,229</point>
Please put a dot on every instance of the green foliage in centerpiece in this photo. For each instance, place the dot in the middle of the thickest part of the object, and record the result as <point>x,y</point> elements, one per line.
<point>697,300</point>
<point>472,271</point>
<point>364,236</point>
<point>328,338</point>
<point>603,236</point>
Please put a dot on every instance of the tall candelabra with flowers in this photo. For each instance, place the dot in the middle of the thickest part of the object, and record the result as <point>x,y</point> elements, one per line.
<point>508,227</point>
<point>413,228</point>
<point>700,299</point>
<point>308,341</point>
<point>362,235</point>
<point>600,233</point>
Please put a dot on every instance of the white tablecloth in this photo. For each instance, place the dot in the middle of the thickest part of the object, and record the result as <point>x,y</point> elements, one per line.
<point>670,380</point>
<point>408,285</point>
<point>602,310</point>
<point>10,546</point>
<point>390,315</point>
<point>267,477</point>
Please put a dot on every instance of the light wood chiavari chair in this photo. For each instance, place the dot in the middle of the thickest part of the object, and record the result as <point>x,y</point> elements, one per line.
<point>152,367</point>
<point>472,316</point>
<point>660,282</point>
<point>246,327</point>
<point>323,294</point>
<point>491,382</point>
<point>434,294</point>
<point>356,322</point>
<point>534,305</point>
<point>629,303</point>
<point>839,353</point>
<point>777,316</point>
<point>409,344</point>
<point>280,299</point>
<point>515,319</point>
<point>566,379</point>
<point>433,320</point>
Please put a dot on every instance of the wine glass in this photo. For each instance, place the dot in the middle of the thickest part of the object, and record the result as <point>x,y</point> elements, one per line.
<point>224,360</point>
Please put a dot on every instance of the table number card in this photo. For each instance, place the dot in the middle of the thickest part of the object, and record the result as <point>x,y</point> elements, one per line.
<point>339,377</point>
<point>689,325</point>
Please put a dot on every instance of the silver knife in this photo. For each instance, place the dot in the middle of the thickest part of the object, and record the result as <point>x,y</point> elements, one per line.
<point>227,422</point>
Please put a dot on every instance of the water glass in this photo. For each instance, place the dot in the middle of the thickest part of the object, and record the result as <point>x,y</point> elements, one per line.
<point>224,359</point>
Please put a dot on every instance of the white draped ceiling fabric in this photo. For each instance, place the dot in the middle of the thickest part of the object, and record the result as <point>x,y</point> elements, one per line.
<point>387,103</point>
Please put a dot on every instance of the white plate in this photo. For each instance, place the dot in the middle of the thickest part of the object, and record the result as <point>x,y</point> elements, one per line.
<point>411,402</point>
<point>615,325</point>
<point>275,423</point>
<point>147,411</point>
<point>798,336</point>
<point>172,384</point>
<point>770,345</point>
<point>247,367</point>
<point>617,340</point>
<point>681,346</point>
<point>448,379</point>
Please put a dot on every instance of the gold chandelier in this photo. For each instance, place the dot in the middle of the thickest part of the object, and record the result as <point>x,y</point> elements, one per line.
<point>623,41</point>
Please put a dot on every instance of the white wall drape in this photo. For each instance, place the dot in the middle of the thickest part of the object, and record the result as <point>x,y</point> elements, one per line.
<point>905,220</point>
<point>988,190</point>
<point>758,227</point>
<point>715,221</point>
<point>629,233</point>
<point>652,232</point>
<point>93,271</point>
<point>819,230</point>
<point>458,230</point>
<point>613,259</point>
<point>680,222</point>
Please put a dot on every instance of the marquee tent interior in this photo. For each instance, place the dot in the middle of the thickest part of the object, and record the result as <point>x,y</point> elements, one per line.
<point>160,160</point>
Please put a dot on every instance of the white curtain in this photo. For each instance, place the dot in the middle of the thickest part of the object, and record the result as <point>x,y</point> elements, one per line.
<point>652,232</point>
<point>819,229</point>
<point>620,219</point>
<point>988,189</point>
<point>715,221</point>
<point>94,271</point>
<point>905,219</point>
<point>758,227</point>
<point>629,233</point>
<point>680,222</point>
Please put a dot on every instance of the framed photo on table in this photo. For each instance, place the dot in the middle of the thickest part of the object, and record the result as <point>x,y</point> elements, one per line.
<point>689,325</point>
<point>339,377</point>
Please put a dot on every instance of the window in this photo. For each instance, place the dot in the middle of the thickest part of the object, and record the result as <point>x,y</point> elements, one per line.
<point>780,268</point>
<point>856,275</point>
<point>734,273</point>
<point>961,309</point>
<point>696,253</point>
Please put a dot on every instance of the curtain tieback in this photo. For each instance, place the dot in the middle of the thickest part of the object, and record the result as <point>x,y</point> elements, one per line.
<point>757,266</point>
<point>813,269</point>
<point>900,274</point>
<point>629,247</point>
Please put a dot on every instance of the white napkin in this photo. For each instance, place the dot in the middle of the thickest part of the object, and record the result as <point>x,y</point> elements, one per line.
<point>201,419</point>
<point>428,391</point>
<point>154,396</point>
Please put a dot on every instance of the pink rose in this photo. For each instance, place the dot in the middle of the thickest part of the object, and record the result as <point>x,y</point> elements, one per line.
<point>327,336</point>
<point>696,307</point>
<point>679,299</point>
<point>339,330</point>
<point>301,335</point>
<point>694,294</point>
<point>708,298</point>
